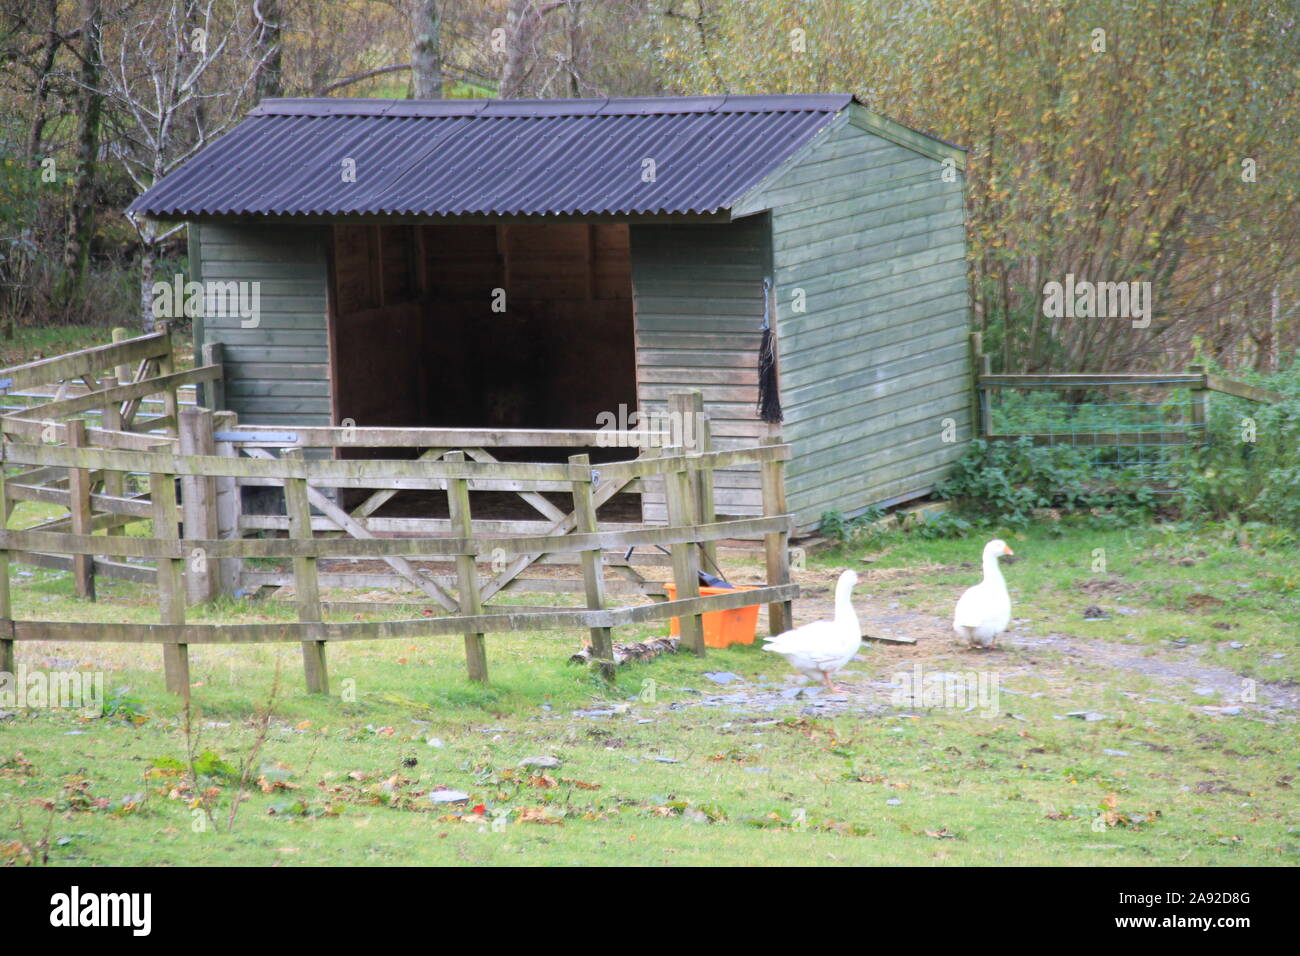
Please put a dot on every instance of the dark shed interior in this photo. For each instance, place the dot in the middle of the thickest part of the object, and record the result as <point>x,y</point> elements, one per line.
<point>481,326</point>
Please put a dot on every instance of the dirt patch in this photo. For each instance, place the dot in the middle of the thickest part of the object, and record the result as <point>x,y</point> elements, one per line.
<point>1180,670</point>
<point>1107,586</point>
<point>869,680</point>
<point>875,575</point>
<point>1216,786</point>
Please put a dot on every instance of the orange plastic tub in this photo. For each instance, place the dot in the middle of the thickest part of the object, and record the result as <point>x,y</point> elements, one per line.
<point>721,628</point>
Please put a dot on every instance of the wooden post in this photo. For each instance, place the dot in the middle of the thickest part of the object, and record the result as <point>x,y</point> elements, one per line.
<point>214,390</point>
<point>689,407</point>
<point>593,572</point>
<point>1200,410</point>
<point>199,506</point>
<point>6,610</point>
<point>122,372</point>
<point>111,416</point>
<point>83,565</point>
<point>682,409</point>
<point>462,526</point>
<point>776,544</point>
<point>306,587</point>
<point>171,593</point>
<point>114,481</point>
<point>981,417</point>
<point>686,563</point>
<point>228,504</point>
<point>167,365</point>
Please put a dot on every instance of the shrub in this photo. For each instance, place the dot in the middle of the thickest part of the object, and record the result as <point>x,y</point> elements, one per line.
<point>1010,482</point>
<point>861,530</point>
<point>1250,466</point>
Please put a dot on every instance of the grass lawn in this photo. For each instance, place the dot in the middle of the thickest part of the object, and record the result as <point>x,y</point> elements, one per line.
<point>699,772</point>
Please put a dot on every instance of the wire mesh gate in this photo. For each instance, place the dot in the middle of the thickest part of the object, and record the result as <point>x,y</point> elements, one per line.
<point>1137,428</point>
<point>1134,427</point>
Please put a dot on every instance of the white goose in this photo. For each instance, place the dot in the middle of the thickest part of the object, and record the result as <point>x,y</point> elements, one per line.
<point>984,611</point>
<point>821,648</point>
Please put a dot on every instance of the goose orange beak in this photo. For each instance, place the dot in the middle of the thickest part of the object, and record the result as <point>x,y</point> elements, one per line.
<point>1007,550</point>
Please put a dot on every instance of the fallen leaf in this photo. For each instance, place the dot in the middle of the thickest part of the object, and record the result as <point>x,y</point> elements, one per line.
<point>538,815</point>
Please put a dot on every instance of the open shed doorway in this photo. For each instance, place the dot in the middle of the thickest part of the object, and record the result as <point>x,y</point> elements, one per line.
<point>483,326</point>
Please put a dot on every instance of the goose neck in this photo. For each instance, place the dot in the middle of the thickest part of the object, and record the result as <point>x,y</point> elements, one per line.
<point>992,570</point>
<point>844,604</point>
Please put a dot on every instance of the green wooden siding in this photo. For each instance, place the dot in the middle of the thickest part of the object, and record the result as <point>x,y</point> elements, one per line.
<point>698,290</point>
<point>875,238</point>
<point>278,372</point>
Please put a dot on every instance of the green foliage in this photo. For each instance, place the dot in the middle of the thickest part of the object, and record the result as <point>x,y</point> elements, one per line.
<point>19,186</point>
<point>1003,480</point>
<point>1130,410</point>
<point>125,707</point>
<point>861,530</point>
<point>209,764</point>
<point>1248,469</point>
<point>206,764</point>
<point>1251,465</point>
<point>1008,482</point>
<point>943,524</point>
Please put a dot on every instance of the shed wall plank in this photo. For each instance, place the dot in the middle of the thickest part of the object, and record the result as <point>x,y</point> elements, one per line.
<point>277,372</point>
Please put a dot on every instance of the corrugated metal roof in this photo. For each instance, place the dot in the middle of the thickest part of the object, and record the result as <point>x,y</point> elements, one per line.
<point>491,157</point>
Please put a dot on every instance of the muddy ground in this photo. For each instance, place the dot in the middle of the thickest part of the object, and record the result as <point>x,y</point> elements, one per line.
<point>1022,656</point>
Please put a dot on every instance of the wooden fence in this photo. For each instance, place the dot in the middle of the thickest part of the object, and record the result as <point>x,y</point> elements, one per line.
<point>58,400</point>
<point>173,554</point>
<point>1190,431</point>
<point>186,479</point>
<point>112,383</point>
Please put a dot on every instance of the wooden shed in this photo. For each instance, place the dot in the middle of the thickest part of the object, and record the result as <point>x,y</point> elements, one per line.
<point>540,264</point>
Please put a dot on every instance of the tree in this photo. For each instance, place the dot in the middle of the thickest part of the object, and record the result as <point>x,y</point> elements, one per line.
<point>592,50</point>
<point>1118,142</point>
<point>522,32</point>
<point>269,16</point>
<point>178,74</point>
<point>426,50</point>
<point>49,51</point>
<point>81,216</point>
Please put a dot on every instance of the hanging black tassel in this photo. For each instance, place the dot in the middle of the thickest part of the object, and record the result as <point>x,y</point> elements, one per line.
<point>769,396</point>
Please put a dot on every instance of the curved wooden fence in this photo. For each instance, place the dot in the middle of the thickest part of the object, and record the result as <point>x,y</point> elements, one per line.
<point>182,558</point>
